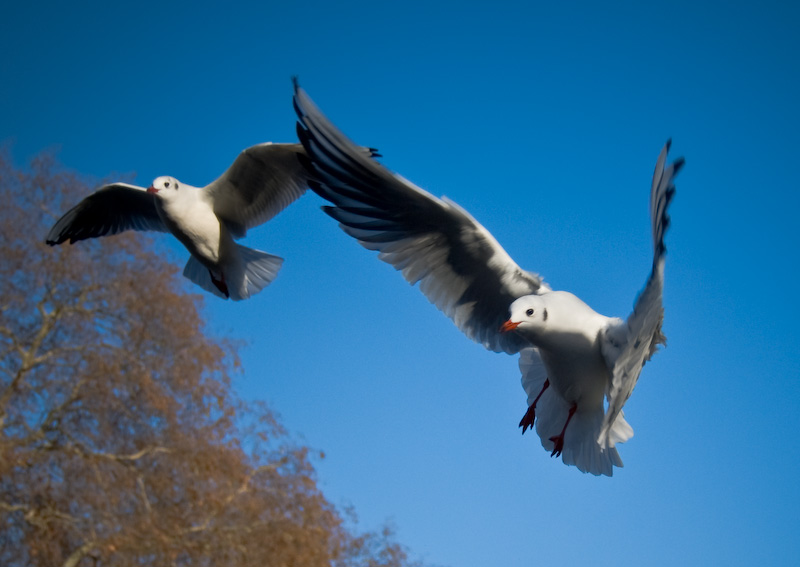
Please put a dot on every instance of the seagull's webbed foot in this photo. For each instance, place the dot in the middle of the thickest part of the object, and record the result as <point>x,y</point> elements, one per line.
<point>528,418</point>
<point>558,446</point>
<point>558,440</point>
<point>530,415</point>
<point>220,284</point>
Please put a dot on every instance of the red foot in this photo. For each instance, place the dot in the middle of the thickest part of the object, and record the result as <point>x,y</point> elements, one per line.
<point>558,440</point>
<point>220,284</point>
<point>530,415</point>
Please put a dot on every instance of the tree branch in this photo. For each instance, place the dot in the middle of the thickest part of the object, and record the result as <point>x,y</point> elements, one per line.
<point>245,486</point>
<point>78,554</point>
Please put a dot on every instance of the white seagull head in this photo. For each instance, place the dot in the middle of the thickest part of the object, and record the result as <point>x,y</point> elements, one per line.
<point>164,186</point>
<point>528,313</point>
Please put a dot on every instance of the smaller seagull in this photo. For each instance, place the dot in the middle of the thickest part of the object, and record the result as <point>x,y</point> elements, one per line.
<point>572,358</point>
<point>262,181</point>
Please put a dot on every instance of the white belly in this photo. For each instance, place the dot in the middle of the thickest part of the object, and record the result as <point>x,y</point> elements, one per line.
<point>199,229</point>
<point>577,371</point>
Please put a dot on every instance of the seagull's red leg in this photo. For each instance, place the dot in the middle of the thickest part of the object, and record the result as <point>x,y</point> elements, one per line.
<point>530,415</point>
<point>559,439</point>
<point>220,284</point>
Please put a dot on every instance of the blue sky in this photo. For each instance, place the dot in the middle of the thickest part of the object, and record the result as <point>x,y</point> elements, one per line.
<point>544,121</point>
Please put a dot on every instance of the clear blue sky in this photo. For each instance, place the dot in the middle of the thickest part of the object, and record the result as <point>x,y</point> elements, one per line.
<point>544,121</point>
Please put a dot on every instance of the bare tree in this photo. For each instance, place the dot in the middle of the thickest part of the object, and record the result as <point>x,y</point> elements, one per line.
<point>121,442</point>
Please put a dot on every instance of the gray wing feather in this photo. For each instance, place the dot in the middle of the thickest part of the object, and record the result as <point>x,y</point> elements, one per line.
<point>261,182</point>
<point>111,209</point>
<point>460,267</point>
<point>627,346</point>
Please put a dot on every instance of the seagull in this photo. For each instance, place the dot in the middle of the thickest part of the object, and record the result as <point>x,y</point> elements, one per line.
<point>262,181</point>
<point>578,367</point>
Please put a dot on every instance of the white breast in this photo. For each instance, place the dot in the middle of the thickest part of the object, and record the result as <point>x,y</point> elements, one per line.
<point>192,220</point>
<point>569,345</point>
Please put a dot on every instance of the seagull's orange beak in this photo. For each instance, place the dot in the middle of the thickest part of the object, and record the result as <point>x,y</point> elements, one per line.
<point>508,326</point>
<point>152,189</point>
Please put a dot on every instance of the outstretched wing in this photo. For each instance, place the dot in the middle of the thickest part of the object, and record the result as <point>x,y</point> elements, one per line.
<point>111,209</point>
<point>460,266</point>
<point>627,346</point>
<point>260,183</point>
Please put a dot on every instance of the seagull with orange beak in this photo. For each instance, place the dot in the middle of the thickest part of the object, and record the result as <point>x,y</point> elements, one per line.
<point>262,181</point>
<point>578,367</point>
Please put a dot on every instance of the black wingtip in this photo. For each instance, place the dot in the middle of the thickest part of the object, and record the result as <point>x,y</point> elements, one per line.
<point>316,187</point>
<point>305,161</point>
<point>330,211</point>
<point>54,239</point>
<point>297,108</point>
<point>668,145</point>
<point>677,165</point>
<point>300,131</point>
<point>295,83</point>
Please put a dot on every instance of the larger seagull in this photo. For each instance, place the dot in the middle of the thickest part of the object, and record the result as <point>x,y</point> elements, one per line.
<point>262,181</point>
<point>572,359</point>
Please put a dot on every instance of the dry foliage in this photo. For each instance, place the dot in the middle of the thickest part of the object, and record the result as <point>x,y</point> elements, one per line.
<point>121,442</point>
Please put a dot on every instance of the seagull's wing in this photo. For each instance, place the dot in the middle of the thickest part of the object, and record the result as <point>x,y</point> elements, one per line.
<point>460,266</point>
<point>111,209</point>
<point>628,345</point>
<point>261,182</point>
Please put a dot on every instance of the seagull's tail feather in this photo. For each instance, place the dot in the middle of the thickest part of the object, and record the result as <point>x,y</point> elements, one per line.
<point>252,271</point>
<point>580,439</point>
<point>581,448</point>
<point>198,274</point>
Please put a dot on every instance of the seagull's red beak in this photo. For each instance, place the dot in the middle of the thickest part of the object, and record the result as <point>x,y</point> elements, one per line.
<point>508,326</point>
<point>152,189</point>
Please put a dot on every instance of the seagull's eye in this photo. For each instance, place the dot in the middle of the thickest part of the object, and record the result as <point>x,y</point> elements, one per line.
<point>166,184</point>
<point>529,312</point>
